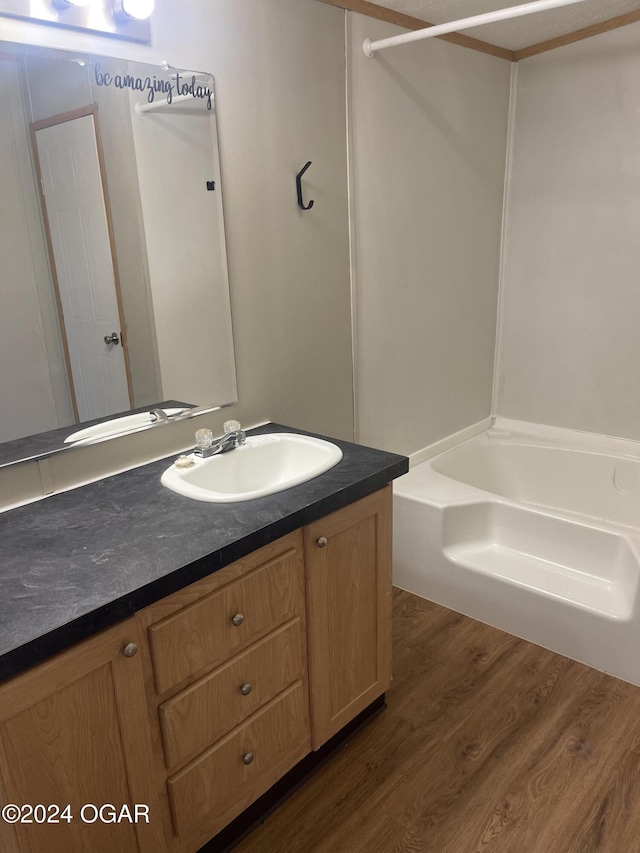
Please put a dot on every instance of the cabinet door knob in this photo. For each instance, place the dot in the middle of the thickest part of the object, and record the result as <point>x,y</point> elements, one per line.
<point>245,689</point>
<point>321,542</point>
<point>247,758</point>
<point>238,619</point>
<point>130,650</point>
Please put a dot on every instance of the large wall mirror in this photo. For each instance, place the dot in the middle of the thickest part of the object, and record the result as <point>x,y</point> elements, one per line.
<point>114,293</point>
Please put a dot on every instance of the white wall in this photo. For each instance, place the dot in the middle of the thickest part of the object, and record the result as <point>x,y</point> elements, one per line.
<point>570,346</point>
<point>280,82</point>
<point>429,145</point>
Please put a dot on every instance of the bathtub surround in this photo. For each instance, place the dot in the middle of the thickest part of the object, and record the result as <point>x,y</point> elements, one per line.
<point>567,345</point>
<point>567,351</point>
<point>450,441</point>
<point>570,347</point>
<point>533,527</point>
<point>535,531</point>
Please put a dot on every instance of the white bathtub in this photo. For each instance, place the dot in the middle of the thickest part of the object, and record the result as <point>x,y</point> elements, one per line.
<point>536,534</point>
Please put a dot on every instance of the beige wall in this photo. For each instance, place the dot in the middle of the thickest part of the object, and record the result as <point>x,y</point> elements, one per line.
<point>279,69</point>
<point>429,128</point>
<point>280,81</point>
<point>570,347</point>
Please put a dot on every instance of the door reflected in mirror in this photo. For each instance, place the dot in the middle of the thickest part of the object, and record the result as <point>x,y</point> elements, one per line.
<point>113,272</point>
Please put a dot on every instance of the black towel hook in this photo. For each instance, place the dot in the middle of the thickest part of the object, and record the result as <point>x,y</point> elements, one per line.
<point>301,203</point>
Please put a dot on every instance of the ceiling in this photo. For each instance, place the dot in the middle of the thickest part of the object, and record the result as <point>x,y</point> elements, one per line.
<point>520,32</point>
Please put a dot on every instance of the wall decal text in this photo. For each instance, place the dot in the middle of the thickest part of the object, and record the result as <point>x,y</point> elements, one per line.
<point>177,84</point>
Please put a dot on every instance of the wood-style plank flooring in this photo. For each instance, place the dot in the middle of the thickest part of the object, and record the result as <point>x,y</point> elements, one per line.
<point>489,744</point>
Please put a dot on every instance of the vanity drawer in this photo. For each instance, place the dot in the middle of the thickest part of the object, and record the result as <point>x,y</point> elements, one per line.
<point>210,631</point>
<point>204,712</point>
<point>218,785</point>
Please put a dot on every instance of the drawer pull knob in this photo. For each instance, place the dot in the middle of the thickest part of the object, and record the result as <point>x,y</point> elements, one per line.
<point>321,542</point>
<point>238,619</point>
<point>246,689</point>
<point>247,758</point>
<point>130,650</point>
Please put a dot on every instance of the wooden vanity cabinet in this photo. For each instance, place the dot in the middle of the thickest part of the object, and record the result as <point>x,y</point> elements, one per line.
<point>231,692</point>
<point>348,572</point>
<point>201,702</point>
<point>75,731</point>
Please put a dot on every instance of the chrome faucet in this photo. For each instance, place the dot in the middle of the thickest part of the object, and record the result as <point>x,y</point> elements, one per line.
<point>158,415</point>
<point>229,441</point>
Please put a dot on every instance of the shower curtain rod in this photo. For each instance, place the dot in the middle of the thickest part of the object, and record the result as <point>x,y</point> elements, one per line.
<point>371,47</point>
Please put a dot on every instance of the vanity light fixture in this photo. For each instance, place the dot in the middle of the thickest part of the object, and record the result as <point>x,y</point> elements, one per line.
<point>121,19</point>
<point>132,10</point>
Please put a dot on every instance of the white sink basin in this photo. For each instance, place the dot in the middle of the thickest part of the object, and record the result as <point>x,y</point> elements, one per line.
<point>116,426</point>
<point>264,465</point>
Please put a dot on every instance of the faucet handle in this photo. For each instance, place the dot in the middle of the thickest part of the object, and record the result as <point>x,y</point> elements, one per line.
<point>204,438</point>
<point>231,426</point>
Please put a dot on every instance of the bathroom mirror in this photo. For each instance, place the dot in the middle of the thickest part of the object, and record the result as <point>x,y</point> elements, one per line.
<point>114,293</point>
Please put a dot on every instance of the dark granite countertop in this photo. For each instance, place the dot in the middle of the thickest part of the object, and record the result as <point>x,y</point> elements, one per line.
<point>77,562</point>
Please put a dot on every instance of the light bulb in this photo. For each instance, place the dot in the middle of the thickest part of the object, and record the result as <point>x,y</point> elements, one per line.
<point>133,10</point>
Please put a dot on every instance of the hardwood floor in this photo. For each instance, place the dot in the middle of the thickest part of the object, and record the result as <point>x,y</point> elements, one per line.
<point>489,744</point>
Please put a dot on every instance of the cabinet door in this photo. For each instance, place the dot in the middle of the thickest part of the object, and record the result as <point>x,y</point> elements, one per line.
<point>75,731</point>
<point>348,562</point>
